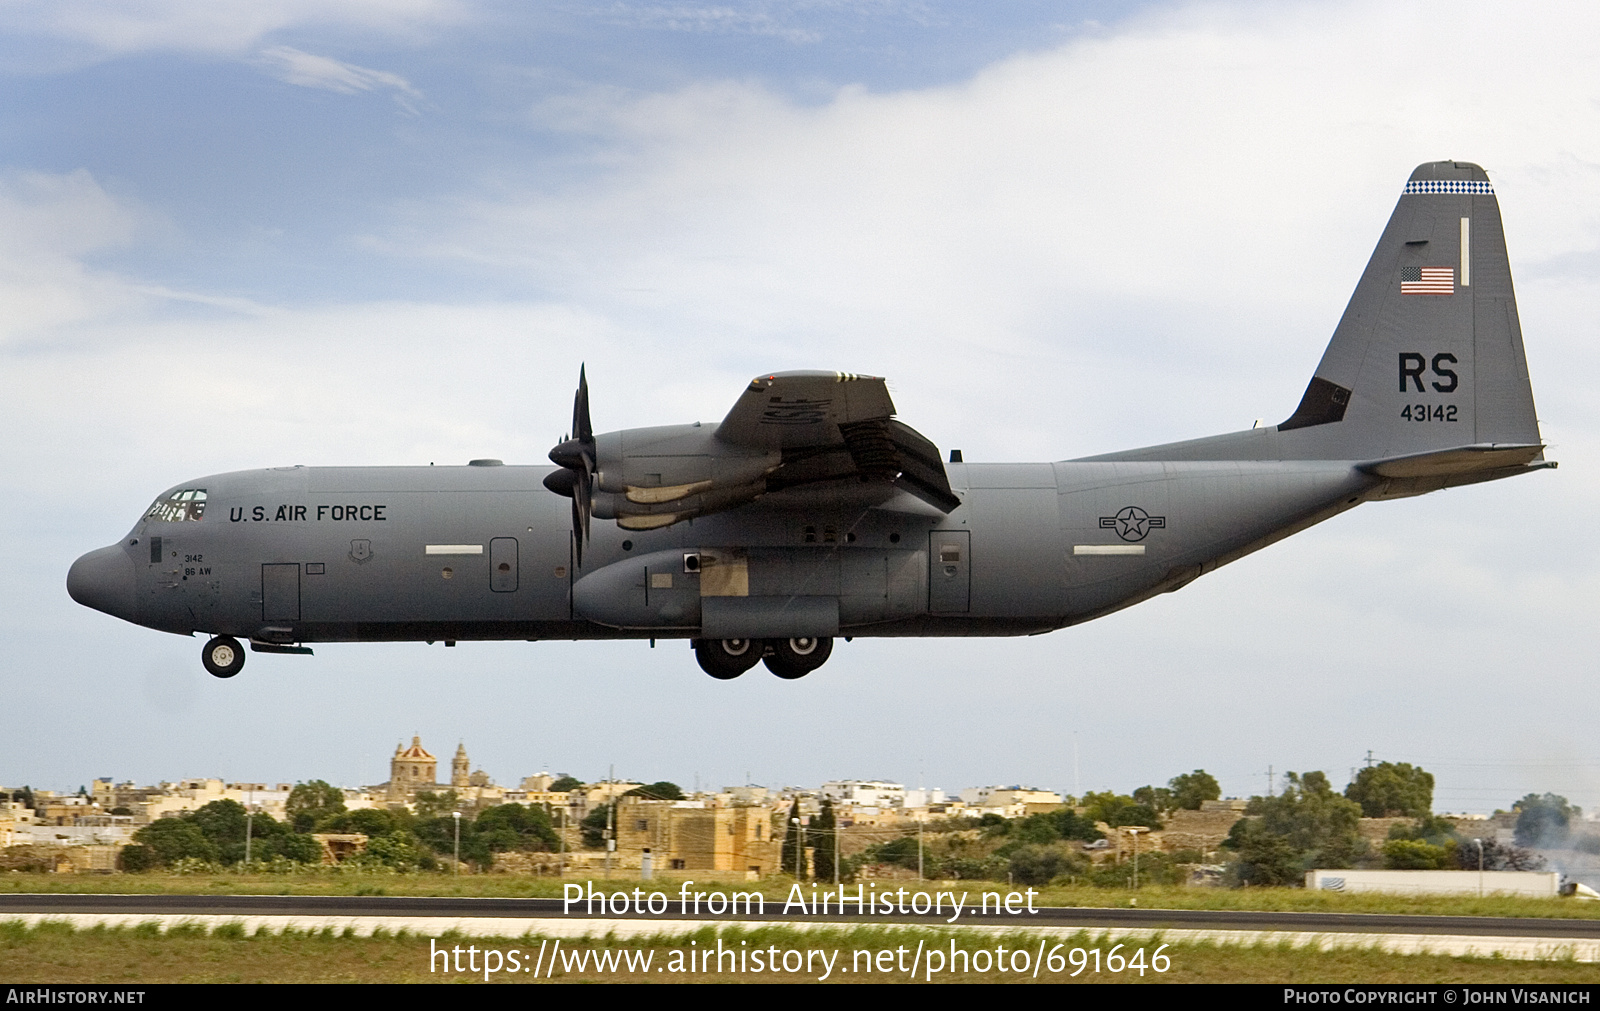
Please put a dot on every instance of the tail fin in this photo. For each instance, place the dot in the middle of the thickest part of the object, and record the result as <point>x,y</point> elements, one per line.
<point>1428,355</point>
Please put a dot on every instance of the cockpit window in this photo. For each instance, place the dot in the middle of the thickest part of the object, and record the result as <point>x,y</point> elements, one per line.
<point>188,504</point>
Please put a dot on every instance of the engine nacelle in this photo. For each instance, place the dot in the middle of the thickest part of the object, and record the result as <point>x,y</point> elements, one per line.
<point>654,477</point>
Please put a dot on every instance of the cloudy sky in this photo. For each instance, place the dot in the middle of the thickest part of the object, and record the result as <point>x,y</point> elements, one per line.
<point>262,232</point>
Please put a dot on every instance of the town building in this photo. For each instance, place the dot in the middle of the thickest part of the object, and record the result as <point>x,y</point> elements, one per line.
<point>865,792</point>
<point>694,835</point>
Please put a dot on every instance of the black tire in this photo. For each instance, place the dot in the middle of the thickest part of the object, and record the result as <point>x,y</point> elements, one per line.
<point>726,659</point>
<point>795,658</point>
<point>223,657</point>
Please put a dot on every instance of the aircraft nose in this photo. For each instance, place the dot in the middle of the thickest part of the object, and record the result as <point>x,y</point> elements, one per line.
<point>104,580</point>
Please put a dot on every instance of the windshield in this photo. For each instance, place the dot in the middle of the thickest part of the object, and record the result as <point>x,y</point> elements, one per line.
<point>188,504</point>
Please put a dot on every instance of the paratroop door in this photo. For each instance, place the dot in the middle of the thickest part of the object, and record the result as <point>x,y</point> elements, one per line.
<point>280,591</point>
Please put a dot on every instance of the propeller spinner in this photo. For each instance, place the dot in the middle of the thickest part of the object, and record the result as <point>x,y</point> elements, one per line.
<point>576,456</point>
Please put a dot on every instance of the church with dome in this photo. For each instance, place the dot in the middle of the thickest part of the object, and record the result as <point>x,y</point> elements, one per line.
<point>414,770</point>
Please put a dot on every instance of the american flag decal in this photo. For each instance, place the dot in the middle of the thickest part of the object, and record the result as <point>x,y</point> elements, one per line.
<point>1427,280</point>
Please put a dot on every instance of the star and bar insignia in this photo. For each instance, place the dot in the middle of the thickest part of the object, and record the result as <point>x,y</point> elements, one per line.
<point>1132,523</point>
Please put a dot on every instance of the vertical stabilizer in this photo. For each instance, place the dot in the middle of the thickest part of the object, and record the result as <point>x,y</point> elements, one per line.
<point>1428,354</point>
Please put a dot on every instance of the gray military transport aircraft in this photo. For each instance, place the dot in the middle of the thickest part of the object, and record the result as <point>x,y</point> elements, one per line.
<point>811,512</point>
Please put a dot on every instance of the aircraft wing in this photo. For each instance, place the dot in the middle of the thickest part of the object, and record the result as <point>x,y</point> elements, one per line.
<point>790,409</point>
<point>832,426</point>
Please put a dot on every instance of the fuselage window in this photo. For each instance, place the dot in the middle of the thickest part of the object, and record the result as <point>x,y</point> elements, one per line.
<point>188,504</point>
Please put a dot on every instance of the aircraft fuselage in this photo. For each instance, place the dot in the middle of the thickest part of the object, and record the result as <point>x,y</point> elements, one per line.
<point>326,554</point>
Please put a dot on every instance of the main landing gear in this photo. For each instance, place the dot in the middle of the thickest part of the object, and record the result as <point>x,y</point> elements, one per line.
<point>223,657</point>
<point>726,659</point>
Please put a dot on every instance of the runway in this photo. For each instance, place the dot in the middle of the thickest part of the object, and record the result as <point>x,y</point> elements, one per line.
<point>434,916</point>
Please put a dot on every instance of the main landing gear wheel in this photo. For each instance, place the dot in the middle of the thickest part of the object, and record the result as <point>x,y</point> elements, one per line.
<point>726,659</point>
<point>795,658</point>
<point>223,657</point>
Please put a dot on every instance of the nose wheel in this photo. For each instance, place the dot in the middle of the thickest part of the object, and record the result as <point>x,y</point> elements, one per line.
<point>726,659</point>
<point>223,657</point>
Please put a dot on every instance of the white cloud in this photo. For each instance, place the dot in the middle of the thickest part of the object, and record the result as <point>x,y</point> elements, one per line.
<point>49,225</point>
<point>216,26</point>
<point>309,71</point>
<point>1199,189</point>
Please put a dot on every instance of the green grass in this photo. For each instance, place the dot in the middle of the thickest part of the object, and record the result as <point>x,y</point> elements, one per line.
<point>507,885</point>
<point>57,953</point>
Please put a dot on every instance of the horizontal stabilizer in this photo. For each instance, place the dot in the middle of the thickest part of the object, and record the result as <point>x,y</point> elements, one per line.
<point>1458,460</point>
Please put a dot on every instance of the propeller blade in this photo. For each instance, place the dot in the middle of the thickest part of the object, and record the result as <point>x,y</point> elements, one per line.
<point>576,454</point>
<point>577,534</point>
<point>582,430</point>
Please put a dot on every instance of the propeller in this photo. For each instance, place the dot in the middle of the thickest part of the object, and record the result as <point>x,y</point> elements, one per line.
<point>576,456</point>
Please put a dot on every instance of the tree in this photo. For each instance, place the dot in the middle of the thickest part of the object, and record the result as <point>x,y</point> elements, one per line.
<point>1049,827</point>
<point>594,827</point>
<point>1117,810</point>
<point>1496,857</point>
<point>371,822</point>
<point>434,805</point>
<point>1544,821</point>
<point>1156,798</point>
<point>1191,789</point>
<point>824,836</point>
<point>174,839</point>
<point>794,855</point>
<point>1038,865</point>
<point>439,835</point>
<point>901,852</point>
<point>1391,790</point>
<point>1417,855</point>
<point>137,857</point>
<point>515,827</point>
<point>400,850</point>
<point>310,803</point>
<point>662,790</point>
<point>565,784</point>
<point>1306,826</point>
<point>223,822</point>
<point>1265,858</point>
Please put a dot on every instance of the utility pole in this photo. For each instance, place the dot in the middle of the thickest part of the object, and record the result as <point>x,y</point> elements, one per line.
<point>249,823</point>
<point>836,841</point>
<point>1077,784</point>
<point>456,868</point>
<point>919,850</point>
<point>1269,781</point>
<point>1369,758</point>
<point>611,818</point>
<point>1135,833</point>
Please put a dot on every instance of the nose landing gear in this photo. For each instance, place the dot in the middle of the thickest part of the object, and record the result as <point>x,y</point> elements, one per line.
<point>223,657</point>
